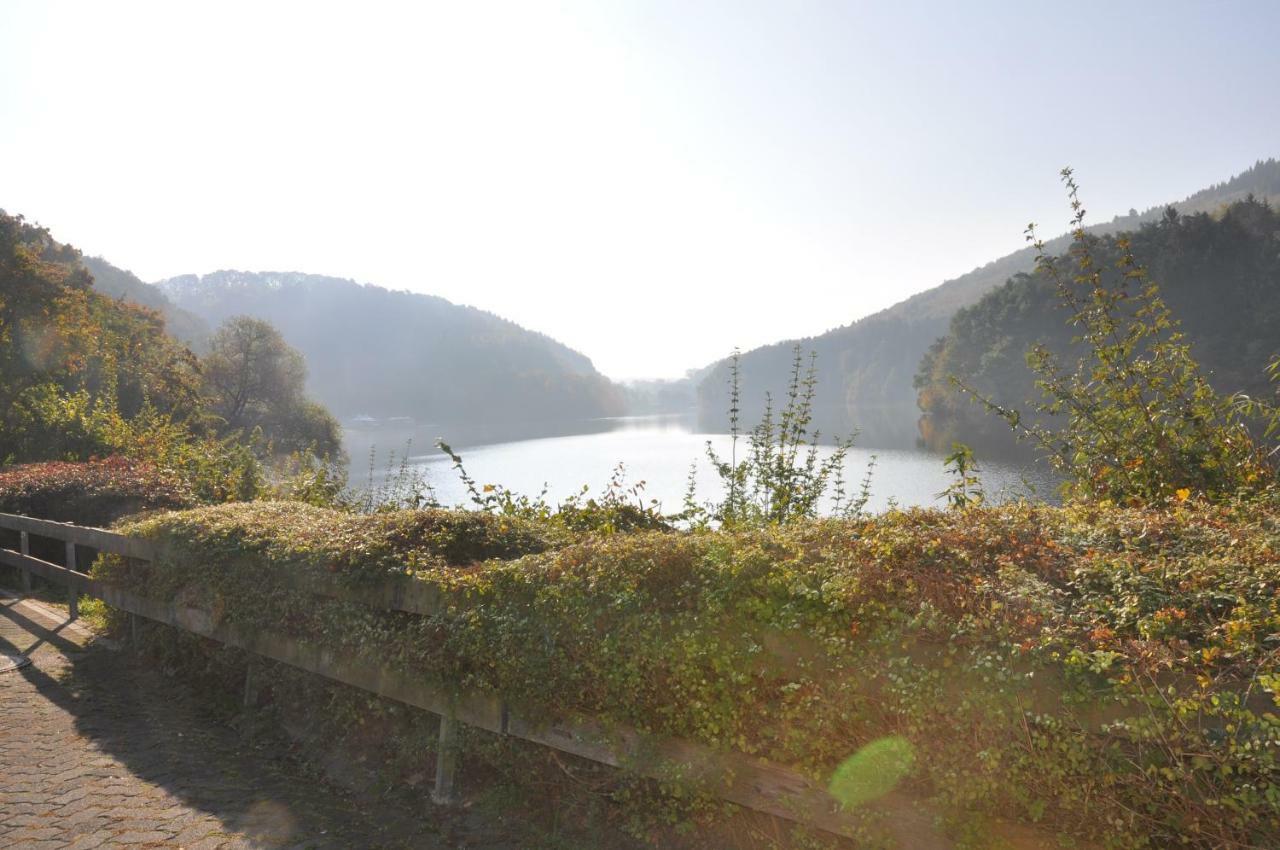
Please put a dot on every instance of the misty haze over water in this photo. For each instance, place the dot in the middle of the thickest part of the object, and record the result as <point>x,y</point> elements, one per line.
<point>657,450</point>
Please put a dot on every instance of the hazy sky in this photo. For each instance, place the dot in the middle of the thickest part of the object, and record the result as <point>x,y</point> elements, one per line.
<point>651,183</point>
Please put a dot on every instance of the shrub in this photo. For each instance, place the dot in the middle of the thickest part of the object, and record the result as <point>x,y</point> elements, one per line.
<point>95,493</point>
<point>782,477</point>
<point>1107,672</point>
<point>1140,422</point>
<point>276,536</point>
<point>620,507</point>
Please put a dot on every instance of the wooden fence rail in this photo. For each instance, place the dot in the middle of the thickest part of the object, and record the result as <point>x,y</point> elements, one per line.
<point>736,777</point>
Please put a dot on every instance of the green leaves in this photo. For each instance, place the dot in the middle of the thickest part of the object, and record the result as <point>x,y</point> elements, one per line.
<point>965,489</point>
<point>1106,671</point>
<point>781,477</point>
<point>1134,419</point>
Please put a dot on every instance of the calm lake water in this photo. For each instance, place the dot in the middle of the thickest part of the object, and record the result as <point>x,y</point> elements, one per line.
<point>657,450</point>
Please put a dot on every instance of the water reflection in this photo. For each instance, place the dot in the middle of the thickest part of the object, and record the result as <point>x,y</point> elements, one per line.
<point>878,427</point>
<point>658,450</point>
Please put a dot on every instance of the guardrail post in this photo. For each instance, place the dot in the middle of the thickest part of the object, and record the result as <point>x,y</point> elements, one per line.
<point>250,683</point>
<point>24,546</point>
<point>73,592</point>
<point>445,793</point>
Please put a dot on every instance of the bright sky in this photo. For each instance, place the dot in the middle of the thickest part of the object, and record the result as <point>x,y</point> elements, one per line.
<point>651,183</point>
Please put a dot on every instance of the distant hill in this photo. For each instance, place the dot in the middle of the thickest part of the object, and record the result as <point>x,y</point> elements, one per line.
<point>678,395</point>
<point>126,286</point>
<point>384,353</point>
<point>1219,274</point>
<point>866,368</point>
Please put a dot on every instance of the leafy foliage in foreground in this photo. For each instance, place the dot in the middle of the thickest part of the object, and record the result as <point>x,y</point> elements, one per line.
<point>356,548</point>
<point>84,376</point>
<point>781,478</point>
<point>96,493</point>
<point>1105,672</point>
<point>75,364</point>
<point>619,508</point>
<point>1136,419</point>
<point>1219,275</point>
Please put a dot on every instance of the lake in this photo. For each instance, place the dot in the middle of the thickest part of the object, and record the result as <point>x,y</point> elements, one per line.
<point>656,450</point>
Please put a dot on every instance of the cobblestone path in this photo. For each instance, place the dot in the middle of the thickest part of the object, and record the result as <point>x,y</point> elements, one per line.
<point>98,751</point>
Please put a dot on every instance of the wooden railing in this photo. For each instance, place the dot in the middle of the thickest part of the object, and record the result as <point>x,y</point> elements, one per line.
<point>733,776</point>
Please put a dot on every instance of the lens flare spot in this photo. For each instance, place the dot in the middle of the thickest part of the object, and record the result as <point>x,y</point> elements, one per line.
<point>872,771</point>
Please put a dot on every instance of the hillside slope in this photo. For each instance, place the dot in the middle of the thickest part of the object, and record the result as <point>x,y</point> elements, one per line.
<point>126,286</point>
<point>77,366</point>
<point>1219,274</point>
<point>385,353</point>
<point>866,368</point>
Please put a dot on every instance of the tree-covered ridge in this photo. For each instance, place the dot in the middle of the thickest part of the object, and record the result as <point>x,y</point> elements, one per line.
<point>865,368</point>
<point>126,286</point>
<point>68,352</point>
<point>84,375</point>
<point>1261,181</point>
<point>385,353</point>
<point>1219,274</point>
<point>869,364</point>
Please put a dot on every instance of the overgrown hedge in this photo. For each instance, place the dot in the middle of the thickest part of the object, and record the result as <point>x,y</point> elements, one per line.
<point>96,493</point>
<point>1107,673</point>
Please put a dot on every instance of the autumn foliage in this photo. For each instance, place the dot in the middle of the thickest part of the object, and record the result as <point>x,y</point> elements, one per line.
<point>96,493</point>
<point>1105,673</point>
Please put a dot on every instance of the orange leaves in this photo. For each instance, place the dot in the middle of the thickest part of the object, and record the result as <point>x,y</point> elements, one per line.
<point>1170,615</point>
<point>1102,635</point>
<point>94,493</point>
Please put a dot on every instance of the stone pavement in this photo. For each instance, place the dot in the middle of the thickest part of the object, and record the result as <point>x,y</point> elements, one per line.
<point>96,750</point>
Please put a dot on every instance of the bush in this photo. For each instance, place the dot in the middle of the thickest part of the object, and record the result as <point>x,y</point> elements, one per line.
<point>1140,421</point>
<point>1107,672</point>
<point>275,536</point>
<point>95,493</point>
<point>781,477</point>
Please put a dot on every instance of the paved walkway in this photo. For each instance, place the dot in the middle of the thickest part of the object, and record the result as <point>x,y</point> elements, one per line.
<point>90,757</point>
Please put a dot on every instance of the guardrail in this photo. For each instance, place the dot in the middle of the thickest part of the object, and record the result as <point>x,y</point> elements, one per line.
<point>733,776</point>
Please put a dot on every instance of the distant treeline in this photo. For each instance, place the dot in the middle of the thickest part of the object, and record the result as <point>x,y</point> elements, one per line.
<point>1220,275</point>
<point>385,353</point>
<point>867,368</point>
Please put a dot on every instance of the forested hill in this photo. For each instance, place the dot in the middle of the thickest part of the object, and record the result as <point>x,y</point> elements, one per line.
<point>126,286</point>
<point>867,367</point>
<point>385,353</point>
<point>64,391</point>
<point>1219,274</point>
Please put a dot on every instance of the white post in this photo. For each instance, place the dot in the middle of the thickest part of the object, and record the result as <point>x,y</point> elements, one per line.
<point>446,760</point>
<point>250,683</point>
<point>73,592</point>
<point>24,547</point>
